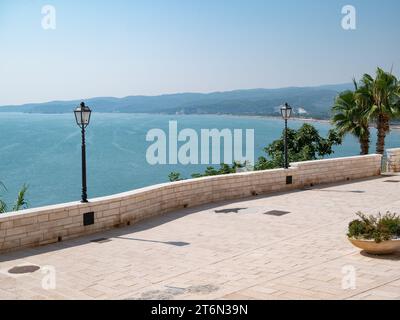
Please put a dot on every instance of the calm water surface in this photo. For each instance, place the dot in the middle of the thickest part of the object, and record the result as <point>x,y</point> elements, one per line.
<point>44,151</point>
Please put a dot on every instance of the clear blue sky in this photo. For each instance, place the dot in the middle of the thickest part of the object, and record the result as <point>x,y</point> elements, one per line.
<point>129,47</point>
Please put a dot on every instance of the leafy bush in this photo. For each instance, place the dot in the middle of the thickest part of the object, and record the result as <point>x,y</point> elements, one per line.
<point>174,176</point>
<point>380,228</point>
<point>304,144</point>
<point>224,169</point>
<point>211,171</point>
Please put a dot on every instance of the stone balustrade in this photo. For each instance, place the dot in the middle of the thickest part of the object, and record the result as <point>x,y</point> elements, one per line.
<point>50,224</point>
<point>393,160</point>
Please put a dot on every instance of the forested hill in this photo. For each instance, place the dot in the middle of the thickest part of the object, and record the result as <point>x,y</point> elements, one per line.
<point>312,102</point>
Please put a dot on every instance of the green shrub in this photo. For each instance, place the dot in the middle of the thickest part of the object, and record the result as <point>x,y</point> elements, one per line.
<point>174,176</point>
<point>356,228</point>
<point>380,228</point>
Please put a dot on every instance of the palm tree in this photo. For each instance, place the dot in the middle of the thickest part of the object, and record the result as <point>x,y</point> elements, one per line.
<point>3,205</point>
<point>350,115</point>
<point>381,94</point>
<point>20,203</point>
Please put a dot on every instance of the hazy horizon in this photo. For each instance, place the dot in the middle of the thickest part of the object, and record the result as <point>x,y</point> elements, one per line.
<point>172,93</point>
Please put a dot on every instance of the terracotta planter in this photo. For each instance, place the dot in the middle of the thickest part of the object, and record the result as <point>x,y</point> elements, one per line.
<point>370,246</point>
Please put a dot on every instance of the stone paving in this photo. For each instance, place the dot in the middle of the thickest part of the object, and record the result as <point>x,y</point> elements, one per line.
<point>230,250</point>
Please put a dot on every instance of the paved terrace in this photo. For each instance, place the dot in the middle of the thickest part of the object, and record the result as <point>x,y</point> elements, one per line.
<point>228,250</point>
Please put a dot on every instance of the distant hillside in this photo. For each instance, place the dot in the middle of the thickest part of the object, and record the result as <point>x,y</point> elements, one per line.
<point>308,102</point>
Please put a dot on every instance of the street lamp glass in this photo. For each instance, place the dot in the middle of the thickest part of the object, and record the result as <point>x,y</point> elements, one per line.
<point>82,115</point>
<point>286,111</point>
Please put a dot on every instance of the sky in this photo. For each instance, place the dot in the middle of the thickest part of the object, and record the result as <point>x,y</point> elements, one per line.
<point>149,47</point>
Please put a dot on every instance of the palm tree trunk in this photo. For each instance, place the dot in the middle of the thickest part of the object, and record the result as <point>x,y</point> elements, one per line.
<point>364,144</point>
<point>383,128</point>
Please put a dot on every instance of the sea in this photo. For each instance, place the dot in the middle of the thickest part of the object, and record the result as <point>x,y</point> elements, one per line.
<point>44,151</point>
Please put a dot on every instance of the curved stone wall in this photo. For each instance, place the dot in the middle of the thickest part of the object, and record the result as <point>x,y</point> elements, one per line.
<point>40,226</point>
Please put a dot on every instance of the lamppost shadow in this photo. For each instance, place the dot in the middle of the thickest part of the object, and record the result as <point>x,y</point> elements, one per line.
<point>172,243</point>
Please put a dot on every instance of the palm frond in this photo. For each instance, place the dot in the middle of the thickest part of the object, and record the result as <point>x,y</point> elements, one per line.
<point>2,186</point>
<point>3,207</point>
<point>350,115</point>
<point>21,202</point>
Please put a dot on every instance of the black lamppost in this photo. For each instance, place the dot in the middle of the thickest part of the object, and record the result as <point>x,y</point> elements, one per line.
<point>286,112</point>
<point>82,116</point>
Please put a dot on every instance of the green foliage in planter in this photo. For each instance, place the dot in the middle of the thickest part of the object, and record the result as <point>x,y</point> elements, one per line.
<point>380,228</point>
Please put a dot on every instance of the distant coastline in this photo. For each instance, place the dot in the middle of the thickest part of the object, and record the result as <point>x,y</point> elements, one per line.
<point>310,119</point>
<point>249,116</point>
<point>308,102</point>
<point>394,126</point>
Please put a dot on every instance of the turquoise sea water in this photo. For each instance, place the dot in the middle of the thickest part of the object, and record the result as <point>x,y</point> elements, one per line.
<point>44,151</point>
